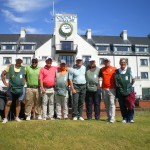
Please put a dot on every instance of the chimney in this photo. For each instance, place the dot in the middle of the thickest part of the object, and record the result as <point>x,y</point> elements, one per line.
<point>124,35</point>
<point>89,34</point>
<point>22,33</point>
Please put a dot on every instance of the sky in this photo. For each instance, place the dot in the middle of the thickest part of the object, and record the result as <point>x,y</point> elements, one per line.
<point>103,17</point>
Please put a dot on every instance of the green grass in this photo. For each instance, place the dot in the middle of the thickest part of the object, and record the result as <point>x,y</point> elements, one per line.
<point>77,135</point>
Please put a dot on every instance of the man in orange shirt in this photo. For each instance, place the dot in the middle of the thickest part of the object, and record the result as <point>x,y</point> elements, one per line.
<point>107,73</point>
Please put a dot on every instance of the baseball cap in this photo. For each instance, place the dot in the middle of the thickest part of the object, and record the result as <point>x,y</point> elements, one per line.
<point>49,57</point>
<point>91,59</point>
<point>62,61</point>
<point>79,58</point>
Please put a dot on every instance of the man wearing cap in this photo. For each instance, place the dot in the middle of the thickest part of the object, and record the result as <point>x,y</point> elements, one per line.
<point>78,86</point>
<point>61,95</point>
<point>15,87</point>
<point>93,90</point>
<point>47,82</point>
<point>32,99</point>
<point>107,73</point>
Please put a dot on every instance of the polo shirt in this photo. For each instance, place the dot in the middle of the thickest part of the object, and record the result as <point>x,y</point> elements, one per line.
<point>108,76</point>
<point>47,75</point>
<point>77,75</point>
<point>32,75</point>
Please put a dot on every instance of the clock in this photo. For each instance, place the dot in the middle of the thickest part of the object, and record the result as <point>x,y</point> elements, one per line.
<point>66,29</point>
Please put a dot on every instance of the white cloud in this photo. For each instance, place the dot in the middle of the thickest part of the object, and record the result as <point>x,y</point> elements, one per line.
<point>32,30</point>
<point>27,5</point>
<point>11,17</point>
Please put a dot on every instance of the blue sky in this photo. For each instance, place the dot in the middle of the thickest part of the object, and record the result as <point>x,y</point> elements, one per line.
<point>104,17</point>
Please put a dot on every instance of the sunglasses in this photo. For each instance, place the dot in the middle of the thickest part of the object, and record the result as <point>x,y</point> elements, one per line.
<point>34,62</point>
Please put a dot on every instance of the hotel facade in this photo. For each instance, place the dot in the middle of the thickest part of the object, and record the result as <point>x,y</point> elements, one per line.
<point>66,43</point>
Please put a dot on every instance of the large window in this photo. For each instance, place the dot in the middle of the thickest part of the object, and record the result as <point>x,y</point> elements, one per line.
<point>68,58</point>
<point>27,60</point>
<point>66,45</point>
<point>144,62</point>
<point>144,75</point>
<point>8,47</point>
<point>7,60</point>
<point>86,59</point>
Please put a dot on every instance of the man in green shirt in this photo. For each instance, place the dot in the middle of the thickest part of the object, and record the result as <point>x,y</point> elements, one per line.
<point>15,87</point>
<point>32,99</point>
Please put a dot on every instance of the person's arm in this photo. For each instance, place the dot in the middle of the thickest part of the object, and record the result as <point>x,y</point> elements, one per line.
<point>4,79</point>
<point>41,81</point>
<point>132,77</point>
<point>72,87</point>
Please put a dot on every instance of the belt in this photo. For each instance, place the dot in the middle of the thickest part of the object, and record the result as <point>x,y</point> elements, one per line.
<point>35,87</point>
<point>48,87</point>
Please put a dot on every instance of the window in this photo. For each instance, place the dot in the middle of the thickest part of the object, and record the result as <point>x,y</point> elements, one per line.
<point>7,60</point>
<point>101,61</point>
<point>103,48</point>
<point>141,49</point>
<point>122,48</point>
<point>27,47</point>
<point>144,75</point>
<point>66,45</point>
<point>44,58</point>
<point>8,47</point>
<point>68,58</point>
<point>27,60</point>
<point>86,60</point>
<point>144,62</point>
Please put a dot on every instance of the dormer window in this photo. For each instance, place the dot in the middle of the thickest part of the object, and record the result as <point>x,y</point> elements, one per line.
<point>8,47</point>
<point>103,48</point>
<point>118,48</point>
<point>30,46</point>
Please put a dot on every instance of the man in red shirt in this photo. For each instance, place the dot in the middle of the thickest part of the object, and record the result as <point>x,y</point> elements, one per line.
<point>107,73</point>
<point>47,82</point>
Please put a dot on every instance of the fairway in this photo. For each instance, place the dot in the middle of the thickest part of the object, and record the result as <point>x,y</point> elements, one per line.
<point>77,135</point>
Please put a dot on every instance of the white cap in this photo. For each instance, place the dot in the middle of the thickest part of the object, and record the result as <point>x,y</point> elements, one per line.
<point>62,61</point>
<point>79,58</point>
<point>91,59</point>
<point>49,57</point>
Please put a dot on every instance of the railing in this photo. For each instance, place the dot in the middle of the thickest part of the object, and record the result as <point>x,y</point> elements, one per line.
<point>66,48</point>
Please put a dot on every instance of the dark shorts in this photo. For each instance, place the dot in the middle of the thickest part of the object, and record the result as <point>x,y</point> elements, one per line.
<point>13,97</point>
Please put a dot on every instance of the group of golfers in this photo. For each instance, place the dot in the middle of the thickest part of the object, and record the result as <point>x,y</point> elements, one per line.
<point>47,89</point>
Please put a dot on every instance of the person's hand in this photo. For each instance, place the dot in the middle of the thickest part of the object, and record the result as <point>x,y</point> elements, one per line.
<point>43,90</point>
<point>7,84</point>
<point>74,91</point>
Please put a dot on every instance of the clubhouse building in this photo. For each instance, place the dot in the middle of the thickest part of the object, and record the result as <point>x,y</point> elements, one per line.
<point>66,43</point>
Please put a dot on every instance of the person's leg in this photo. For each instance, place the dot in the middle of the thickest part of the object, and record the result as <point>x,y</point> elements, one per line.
<point>96,100</point>
<point>51,105</point>
<point>7,108</point>
<point>89,102</point>
<point>112,106</point>
<point>130,115</point>
<point>123,107</point>
<point>58,105</point>
<point>81,99</point>
<point>75,98</point>
<point>37,103</point>
<point>106,101</point>
<point>65,106</point>
<point>17,108</point>
<point>44,105</point>
<point>28,103</point>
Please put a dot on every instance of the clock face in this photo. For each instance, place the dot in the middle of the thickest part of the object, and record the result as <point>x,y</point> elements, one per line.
<point>66,29</point>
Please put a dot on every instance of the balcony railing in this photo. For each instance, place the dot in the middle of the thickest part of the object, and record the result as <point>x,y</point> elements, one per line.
<point>60,48</point>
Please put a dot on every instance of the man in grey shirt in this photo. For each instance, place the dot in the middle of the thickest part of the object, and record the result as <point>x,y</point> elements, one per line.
<point>78,86</point>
